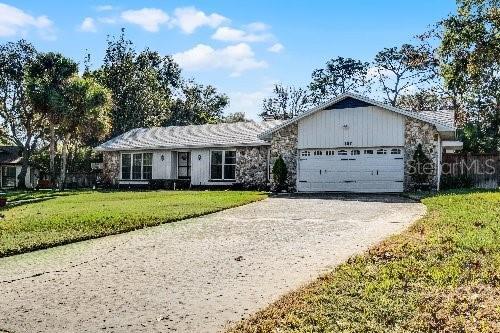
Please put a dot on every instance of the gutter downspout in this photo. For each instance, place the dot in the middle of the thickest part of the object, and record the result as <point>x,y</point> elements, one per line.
<point>439,157</point>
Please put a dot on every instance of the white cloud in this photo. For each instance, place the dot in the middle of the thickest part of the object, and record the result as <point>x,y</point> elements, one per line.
<point>149,19</point>
<point>107,20</point>
<point>14,21</point>
<point>88,25</point>
<point>104,8</point>
<point>374,72</point>
<point>236,58</point>
<point>276,48</point>
<point>227,34</point>
<point>248,102</point>
<point>257,26</point>
<point>188,19</point>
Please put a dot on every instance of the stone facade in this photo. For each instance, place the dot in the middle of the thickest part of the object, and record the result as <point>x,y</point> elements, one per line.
<point>110,167</point>
<point>284,143</point>
<point>251,167</point>
<point>419,132</point>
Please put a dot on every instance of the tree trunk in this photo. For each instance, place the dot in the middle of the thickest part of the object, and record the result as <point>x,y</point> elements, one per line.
<point>52,153</point>
<point>64,160</point>
<point>21,178</point>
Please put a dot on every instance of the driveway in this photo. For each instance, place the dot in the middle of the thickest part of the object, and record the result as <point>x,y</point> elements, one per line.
<point>195,275</point>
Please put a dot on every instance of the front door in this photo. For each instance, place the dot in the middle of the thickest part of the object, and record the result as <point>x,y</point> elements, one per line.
<point>183,165</point>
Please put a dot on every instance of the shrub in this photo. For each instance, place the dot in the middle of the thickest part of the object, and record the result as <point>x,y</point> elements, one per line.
<point>421,168</point>
<point>280,173</point>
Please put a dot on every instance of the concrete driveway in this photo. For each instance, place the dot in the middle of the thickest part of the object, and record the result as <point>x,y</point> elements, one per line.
<point>196,275</point>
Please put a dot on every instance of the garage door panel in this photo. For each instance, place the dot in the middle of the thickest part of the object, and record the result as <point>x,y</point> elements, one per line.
<point>352,170</point>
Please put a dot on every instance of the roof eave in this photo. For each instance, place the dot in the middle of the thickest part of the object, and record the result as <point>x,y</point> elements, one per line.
<point>253,144</point>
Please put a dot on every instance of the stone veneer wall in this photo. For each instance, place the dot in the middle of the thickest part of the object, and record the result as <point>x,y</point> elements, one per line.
<point>284,143</point>
<point>416,132</point>
<point>111,167</point>
<point>251,166</point>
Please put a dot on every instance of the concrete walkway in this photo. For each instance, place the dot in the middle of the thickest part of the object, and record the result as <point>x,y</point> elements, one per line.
<point>196,275</point>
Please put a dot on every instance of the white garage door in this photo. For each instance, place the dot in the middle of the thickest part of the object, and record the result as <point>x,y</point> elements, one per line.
<point>351,170</point>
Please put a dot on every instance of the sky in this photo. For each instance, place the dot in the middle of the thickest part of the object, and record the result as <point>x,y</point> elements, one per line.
<point>240,47</point>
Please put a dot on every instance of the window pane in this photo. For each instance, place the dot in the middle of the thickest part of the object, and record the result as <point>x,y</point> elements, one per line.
<point>126,166</point>
<point>147,159</point>
<point>216,157</point>
<point>136,166</point>
<point>230,157</point>
<point>147,172</point>
<point>229,171</point>
<point>216,172</point>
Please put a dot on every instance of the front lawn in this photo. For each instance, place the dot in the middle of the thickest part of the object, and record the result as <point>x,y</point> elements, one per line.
<point>62,219</point>
<point>442,275</point>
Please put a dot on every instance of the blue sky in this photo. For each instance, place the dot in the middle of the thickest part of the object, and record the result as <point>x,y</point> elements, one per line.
<point>241,47</point>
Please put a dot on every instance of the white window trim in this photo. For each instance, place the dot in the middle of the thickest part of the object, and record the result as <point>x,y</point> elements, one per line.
<point>132,153</point>
<point>223,164</point>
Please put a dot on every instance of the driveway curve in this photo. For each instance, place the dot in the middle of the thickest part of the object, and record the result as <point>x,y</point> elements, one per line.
<point>196,275</point>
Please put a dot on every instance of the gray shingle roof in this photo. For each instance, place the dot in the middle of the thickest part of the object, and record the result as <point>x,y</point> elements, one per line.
<point>192,136</point>
<point>445,117</point>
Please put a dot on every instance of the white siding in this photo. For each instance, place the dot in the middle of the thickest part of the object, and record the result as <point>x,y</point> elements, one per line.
<point>369,126</point>
<point>162,169</point>
<point>200,168</point>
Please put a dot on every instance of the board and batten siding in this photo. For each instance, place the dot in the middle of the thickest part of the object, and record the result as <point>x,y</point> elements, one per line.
<point>162,169</point>
<point>369,126</point>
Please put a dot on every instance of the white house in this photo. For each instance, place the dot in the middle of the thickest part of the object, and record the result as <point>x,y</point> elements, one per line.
<point>10,168</point>
<point>351,144</point>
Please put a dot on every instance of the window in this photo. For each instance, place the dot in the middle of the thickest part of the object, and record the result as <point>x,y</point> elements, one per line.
<point>318,153</point>
<point>355,152</point>
<point>223,165</point>
<point>9,176</point>
<point>381,151</point>
<point>395,151</point>
<point>305,153</point>
<point>368,151</point>
<point>147,166</point>
<point>342,152</point>
<point>330,152</point>
<point>126,166</point>
<point>137,166</point>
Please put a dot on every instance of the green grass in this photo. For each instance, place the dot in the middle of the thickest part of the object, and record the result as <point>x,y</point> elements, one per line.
<point>83,215</point>
<point>18,196</point>
<point>441,275</point>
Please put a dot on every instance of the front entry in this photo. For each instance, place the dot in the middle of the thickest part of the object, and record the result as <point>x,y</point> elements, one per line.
<point>379,169</point>
<point>183,165</point>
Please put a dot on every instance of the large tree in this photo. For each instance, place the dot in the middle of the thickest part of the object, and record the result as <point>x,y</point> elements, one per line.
<point>197,104</point>
<point>470,52</point>
<point>339,76</point>
<point>21,123</point>
<point>285,103</point>
<point>142,85</point>
<point>45,80</point>
<point>401,69</point>
<point>84,111</point>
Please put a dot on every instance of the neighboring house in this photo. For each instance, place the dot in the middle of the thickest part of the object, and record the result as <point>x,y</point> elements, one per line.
<point>10,165</point>
<point>351,144</point>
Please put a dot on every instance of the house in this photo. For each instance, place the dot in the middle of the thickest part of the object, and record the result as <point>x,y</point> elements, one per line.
<point>10,168</point>
<point>352,143</point>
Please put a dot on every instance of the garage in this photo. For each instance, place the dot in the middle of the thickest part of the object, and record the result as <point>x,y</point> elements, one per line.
<point>370,170</point>
<point>356,144</point>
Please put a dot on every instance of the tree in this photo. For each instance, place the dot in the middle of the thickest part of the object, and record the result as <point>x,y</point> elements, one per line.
<point>142,85</point>
<point>280,174</point>
<point>286,103</point>
<point>339,76</point>
<point>84,111</point>
<point>399,70</point>
<point>45,79</point>
<point>21,123</point>
<point>470,52</point>
<point>425,99</point>
<point>421,167</point>
<point>235,117</point>
<point>197,104</point>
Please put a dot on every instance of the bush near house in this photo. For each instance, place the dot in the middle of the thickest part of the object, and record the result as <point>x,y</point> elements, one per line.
<point>441,275</point>
<point>77,216</point>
